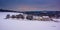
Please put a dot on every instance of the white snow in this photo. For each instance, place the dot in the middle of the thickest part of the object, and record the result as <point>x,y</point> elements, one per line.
<point>21,24</point>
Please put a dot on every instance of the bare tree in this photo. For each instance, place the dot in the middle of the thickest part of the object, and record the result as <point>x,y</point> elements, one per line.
<point>29,17</point>
<point>13,16</point>
<point>8,16</point>
<point>19,16</point>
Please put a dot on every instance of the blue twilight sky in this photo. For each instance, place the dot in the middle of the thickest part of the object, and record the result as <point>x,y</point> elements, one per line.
<point>41,4</point>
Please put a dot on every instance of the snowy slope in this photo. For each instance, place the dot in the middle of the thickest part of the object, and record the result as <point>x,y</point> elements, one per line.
<point>20,24</point>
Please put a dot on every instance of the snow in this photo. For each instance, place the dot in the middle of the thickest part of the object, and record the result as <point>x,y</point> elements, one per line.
<point>24,24</point>
<point>56,19</point>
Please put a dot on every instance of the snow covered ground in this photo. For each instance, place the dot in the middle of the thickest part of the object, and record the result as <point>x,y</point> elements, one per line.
<point>24,24</point>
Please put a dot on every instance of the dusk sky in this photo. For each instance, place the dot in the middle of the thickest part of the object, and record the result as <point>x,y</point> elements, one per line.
<point>30,5</point>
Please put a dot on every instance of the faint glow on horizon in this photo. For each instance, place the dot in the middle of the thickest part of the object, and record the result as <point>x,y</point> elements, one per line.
<point>31,8</point>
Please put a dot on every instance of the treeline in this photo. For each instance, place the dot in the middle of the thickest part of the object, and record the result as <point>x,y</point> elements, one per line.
<point>43,12</point>
<point>34,12</point>
<point>2,10</point>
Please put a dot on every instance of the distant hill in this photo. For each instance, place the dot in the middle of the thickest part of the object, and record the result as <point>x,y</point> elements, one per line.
<point>33,12</point>
<point>2,10</point>
<point>42,12</point>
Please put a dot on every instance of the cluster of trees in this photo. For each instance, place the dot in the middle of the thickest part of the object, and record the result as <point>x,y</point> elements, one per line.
<point>14,16</point>
<point>30,17</point>
<point>19,16</point>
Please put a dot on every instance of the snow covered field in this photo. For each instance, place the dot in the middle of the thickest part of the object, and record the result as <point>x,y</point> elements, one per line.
<point>24,24</point>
